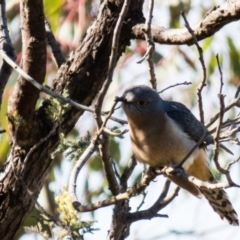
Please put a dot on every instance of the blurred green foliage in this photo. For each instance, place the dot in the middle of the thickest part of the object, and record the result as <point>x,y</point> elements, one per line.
<point>53,11</point>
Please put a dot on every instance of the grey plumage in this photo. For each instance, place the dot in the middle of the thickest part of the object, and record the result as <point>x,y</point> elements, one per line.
<point>187,121</point>
<point>163,132</point>
<point>175,110</point>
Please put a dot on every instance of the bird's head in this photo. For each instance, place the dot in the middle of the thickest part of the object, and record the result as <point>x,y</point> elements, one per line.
<point>139,100</point>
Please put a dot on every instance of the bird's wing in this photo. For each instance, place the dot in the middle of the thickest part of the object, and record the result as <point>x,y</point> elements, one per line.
<point>187,121</point>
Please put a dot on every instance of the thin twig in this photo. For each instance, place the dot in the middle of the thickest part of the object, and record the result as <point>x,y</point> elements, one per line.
<point>203,82</point>
<point>107,118</point>
<point>116,134</point>
<point>227,123</point>
<point>174,85</point>
<point>127,173</point>
<point>152,212</point>
<point>49,216</point>
<point>218,130</point>
<point>106,112</point>
<point>77,168</point>
<point>106,158</point>
<point>115,169</point>
<point>192,150</point>
<point>170,197</point>
<point>57,53</point>
<point>225,149</point>
<point>144,195</point>
<point>221,74</point>
<point>234,102</point>
<point>150,45</point>
<point>232,162</point>
<point>238,91</point>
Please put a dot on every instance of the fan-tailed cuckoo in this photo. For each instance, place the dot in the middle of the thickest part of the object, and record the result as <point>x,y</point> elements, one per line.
<point>163,132</point>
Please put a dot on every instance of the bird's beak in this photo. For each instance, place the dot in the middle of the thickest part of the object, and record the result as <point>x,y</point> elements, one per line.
<point>120,99</point>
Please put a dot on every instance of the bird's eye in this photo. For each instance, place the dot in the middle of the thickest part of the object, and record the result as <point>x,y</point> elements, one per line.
<point>142,102</point>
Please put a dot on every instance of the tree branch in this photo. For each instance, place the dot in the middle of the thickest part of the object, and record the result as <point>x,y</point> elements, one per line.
<point>34,63</point>
<point>156,207</point>
<point>214,20</point>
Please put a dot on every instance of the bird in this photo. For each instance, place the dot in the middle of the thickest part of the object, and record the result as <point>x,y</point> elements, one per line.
<point>163,132</point>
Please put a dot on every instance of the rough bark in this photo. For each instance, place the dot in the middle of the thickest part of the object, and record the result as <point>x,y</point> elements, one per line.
<point>213,21</point>
<point>82,75</point>
<point>21,107</point>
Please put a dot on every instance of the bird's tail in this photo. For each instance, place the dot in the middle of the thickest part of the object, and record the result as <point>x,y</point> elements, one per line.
<point>220,203</point>
<point>217,198</point>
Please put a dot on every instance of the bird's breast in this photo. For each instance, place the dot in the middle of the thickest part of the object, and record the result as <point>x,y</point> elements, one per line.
<point>160,142</point>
